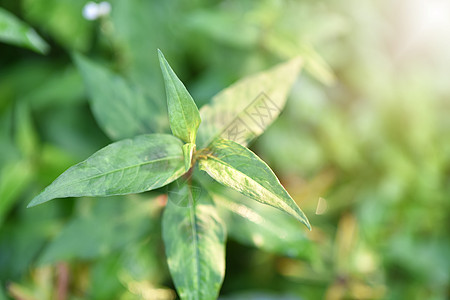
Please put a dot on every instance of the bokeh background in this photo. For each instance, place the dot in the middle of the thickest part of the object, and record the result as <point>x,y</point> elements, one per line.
<point>363,146</point>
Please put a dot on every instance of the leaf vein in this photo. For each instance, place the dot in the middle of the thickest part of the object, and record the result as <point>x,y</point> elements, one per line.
<point>63,186</point>
<point>193,219</point>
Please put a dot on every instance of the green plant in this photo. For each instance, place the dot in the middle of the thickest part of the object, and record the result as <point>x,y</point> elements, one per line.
<point>193,233</point>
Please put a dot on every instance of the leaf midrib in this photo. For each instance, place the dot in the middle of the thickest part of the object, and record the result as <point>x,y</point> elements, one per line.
<point>231,167</point>
<point>170,75</point>
<point>116,170</point>
<point>257,183</point>
<point>234,208</point>
<point>218,130</point>
<point>193,220</point>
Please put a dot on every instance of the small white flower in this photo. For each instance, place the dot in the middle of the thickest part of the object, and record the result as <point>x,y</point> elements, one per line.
<point>92,10</point>
<point>104,8</point>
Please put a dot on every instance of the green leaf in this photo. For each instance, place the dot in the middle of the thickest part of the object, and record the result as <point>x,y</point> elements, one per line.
<point>129,20</point>
<point>23,77</point>
<point>62,87</point>
<point>25,239</point>
<point>100,228</point>
<point>262,226</point>
<point>17,164</point>
<point>135,165</point>
<point>141,261</point>
<point>220,25</point>
<point>62,19</point>
<point>14,180</point>
<point>121,109</point>
<point>26,137</point>
<point>184,117</point>
<point>2,292</point>
<point>71,130</point>
<point>244,110</point>
<point>16,32</point>
<point>237,167</point>
<point>287,46</point>
<point>194,238</point>
<point>104,282</point>
<point>188,152</point>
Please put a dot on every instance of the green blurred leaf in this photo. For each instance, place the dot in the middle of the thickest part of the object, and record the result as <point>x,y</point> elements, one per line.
<point>103,280</point>
<point>16,32</point>
<point>129,166</point>
<point>194,238</point>
<point>63,19</point>
<point>121,109</point>
<point>25,136</point>
<point>262,226</point>
<point>244,110</point>
<point>8,150</point>
<point>63,86</point>
<point>188,152</point>
<point>73,129</point>
<point>141,261</point>
<point>237,167</point>
<point>222,26</point>
<point>184,117</point>
<point>2,292</point>
<point>22,238</point>
<point>17,166</point>
<point>52,162</point>
<point>14,178</point>
<point>286,47</point>
<point>129,19</point>
<point>100,229</point>
<point>22,77</point>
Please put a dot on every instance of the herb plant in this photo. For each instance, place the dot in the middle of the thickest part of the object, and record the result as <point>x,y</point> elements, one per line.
<point>213,140</point>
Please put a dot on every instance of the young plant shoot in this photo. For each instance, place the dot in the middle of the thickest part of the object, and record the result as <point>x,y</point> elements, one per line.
<point>193,233</point>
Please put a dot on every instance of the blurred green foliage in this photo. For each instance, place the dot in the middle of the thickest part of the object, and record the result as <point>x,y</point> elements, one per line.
<point>366,129</point>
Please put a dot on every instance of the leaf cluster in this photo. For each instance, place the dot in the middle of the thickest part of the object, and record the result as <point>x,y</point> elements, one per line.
<point>193,232</point>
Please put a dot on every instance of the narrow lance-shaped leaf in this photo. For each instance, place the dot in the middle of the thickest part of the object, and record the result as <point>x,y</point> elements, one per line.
<point>194,238</point>
<point>244,110</point>
<point>262,226</point>
<point>121,109</point>
<point>15,177</point>
<point>288,46</point>
<point>16,32</point>
<point>86,235</point>
<point>135,165</point>
<point>62,20</point>
<point>237,167</point>
<point>184,117</point>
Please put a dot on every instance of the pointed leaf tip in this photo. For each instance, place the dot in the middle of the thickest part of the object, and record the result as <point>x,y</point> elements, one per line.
<point>16,32</point>
<point>263,94</point>
<point>39,199</point>
<point>184,117</point>
<point>235,166</point>
<point>128,166</point>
